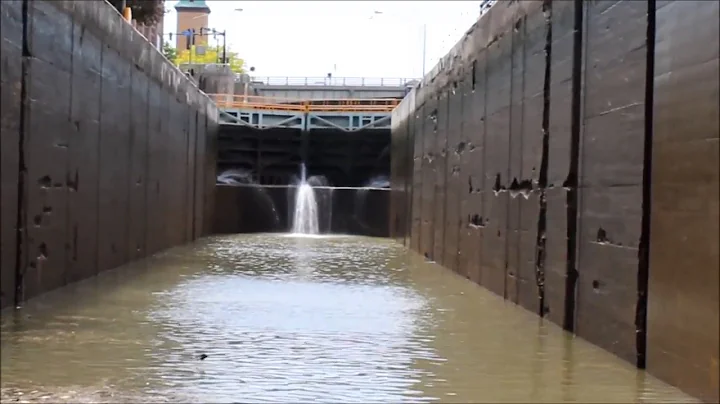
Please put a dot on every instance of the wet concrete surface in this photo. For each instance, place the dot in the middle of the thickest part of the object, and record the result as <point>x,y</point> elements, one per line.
<point>108,151</point>
<point>273,318</point>
<point>683,308</point>
<point>265,209</point>
<point>274,155</point>
<point>563,155</point>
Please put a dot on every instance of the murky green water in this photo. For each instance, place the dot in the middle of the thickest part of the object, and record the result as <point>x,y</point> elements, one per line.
<point>283,319</point>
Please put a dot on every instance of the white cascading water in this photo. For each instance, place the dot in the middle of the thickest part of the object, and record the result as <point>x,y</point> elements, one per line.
<point>305,219</point>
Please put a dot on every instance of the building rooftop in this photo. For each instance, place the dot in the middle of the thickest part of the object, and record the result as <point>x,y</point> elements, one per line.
<point>192,5</point>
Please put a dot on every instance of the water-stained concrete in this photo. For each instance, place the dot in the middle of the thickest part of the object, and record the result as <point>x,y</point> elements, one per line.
<point>274,154</point>
<point>559,156</point>
<point>265,209</point>
<point>108,152</point>
<point>682,324</point>
<point>272,318</point>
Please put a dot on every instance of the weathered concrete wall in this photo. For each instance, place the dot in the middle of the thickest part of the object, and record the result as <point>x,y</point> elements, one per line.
<point>265,209</point>
<point>108,152</point>
<point>683,301</point>
<point>564,155</point>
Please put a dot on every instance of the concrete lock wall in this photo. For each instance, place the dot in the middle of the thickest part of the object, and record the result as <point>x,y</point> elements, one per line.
<point>565,155</point>
<point>108,152</point>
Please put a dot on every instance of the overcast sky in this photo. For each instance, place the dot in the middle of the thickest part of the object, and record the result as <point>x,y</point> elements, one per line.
<point>346,38</point>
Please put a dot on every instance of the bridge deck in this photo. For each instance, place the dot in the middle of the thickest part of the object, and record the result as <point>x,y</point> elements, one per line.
<point>318,88</point>
<point>346,115</point>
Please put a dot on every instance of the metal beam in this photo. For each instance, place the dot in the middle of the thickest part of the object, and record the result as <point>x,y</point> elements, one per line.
<point>306,121</point>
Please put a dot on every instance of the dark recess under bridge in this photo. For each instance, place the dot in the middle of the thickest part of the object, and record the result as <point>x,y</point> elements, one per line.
<point>345,140</point>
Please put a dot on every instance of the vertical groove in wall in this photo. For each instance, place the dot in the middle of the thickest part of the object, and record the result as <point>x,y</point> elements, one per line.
<point>461,138</point>
<point>98,187</point>
<point>129,181</point>
<point>194,175</point>
<point>146,183</point>
<point>540,241</point>
<point>185,188</point>
<point>209,151</point>
<point>483,206</point>
<point>70,257</point>
<point>644,250</point>
<point>409,175</point>
<point>446,186</point>
<point>406,175</point>
<point>22,164</point>
<point>571,182</point>
<point>521,171</point>
<point>508,171</point>
<point>433,179</point>
<point>423,163</point>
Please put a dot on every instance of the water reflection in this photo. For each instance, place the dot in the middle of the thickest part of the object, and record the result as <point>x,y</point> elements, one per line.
<point>299,319</point>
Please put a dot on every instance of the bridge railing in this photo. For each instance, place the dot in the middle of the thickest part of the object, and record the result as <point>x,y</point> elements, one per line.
<point>230,101</point>
<point>335,81</point>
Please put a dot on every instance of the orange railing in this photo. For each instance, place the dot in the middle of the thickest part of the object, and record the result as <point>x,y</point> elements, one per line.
<point>228,101</point>
<point>352,105</point>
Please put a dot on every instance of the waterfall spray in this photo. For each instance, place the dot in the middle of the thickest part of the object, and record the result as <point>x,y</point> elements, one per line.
<point>305,219</point>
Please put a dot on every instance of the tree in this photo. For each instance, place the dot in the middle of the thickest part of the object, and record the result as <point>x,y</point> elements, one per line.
<point>145,12</point>
<point>211,55</point>
<point>169,52</point>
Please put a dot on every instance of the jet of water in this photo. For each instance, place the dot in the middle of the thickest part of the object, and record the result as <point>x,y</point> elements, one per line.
<point>305,218</point>
<point>235,177</point>
<point>380,181</point>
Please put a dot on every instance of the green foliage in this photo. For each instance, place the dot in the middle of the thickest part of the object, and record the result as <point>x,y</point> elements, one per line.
<point>169,52</point>
<point>211,55</point>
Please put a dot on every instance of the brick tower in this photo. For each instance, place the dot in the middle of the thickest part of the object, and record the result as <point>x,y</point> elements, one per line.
<point>191,14</point>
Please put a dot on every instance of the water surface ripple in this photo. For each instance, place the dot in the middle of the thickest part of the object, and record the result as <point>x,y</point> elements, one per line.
<point>275,318</point>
